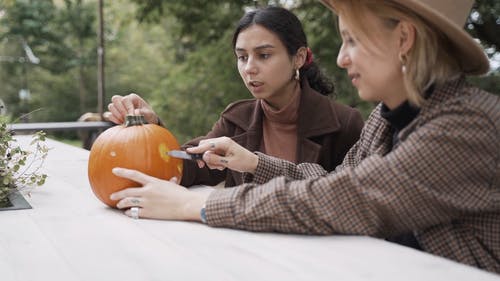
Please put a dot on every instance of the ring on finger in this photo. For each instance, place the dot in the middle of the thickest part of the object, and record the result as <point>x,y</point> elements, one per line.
<point>134,212</point>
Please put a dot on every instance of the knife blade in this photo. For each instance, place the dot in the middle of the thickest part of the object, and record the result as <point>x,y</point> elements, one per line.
<point>184,155</point>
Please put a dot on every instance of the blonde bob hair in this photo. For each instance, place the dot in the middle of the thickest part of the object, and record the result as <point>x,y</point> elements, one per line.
<point>429,61</point>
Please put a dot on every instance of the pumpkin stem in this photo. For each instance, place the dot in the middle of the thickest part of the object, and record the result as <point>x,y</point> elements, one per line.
<point>135,120</point>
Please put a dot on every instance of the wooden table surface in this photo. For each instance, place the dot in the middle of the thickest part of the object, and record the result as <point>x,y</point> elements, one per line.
<point>70,235</point>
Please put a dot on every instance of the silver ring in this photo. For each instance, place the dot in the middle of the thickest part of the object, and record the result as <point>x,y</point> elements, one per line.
<point>134,212</point>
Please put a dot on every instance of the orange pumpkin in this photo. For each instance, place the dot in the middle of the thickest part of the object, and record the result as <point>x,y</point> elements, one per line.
<point>134,145</point>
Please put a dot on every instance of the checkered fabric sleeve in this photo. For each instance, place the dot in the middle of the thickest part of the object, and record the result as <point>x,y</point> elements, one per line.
<point>441,181</point>
<point>270,167</point>
<point>403,190</point>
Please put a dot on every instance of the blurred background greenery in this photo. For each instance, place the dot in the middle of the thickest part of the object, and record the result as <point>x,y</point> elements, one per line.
<point>176,54</point>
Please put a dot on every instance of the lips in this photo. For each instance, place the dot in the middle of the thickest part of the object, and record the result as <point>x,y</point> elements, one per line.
<point>354,77</point>
<point>256,87</point>
<point>255,83</point>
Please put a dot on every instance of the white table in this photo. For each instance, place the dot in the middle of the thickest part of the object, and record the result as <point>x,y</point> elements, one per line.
<point>70,235</point>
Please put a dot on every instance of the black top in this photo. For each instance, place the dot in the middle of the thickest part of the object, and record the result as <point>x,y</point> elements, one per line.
<point>399,118</point>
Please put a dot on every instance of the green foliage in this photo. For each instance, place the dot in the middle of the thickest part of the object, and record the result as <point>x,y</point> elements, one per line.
<point>320,27</point>
<point>194,93</point>
<point>204,79</point>
<point>20,168</point>
<point>176,54</point>
<point>484,23</point>
<point>490,82</point>
<point>319,24</point>
<point>63,37</point>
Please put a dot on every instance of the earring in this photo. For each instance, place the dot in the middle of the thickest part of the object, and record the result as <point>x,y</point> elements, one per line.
<point>403,59</point>
<point>297,74</point>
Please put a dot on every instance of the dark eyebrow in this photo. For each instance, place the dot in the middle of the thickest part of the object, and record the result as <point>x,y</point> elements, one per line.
<point>265,46</point>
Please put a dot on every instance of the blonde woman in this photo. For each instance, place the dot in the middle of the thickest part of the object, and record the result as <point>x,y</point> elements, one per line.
<point>425,172</point>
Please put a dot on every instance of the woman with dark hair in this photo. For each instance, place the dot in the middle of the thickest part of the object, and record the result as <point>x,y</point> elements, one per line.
<point>291,116</point>
<point>289,30</point>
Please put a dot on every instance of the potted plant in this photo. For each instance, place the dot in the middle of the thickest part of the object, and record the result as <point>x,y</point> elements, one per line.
<point>19,167</point>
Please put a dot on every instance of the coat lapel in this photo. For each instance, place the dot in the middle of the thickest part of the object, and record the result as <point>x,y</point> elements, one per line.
<point>252,135</point>
<point>311,125</point>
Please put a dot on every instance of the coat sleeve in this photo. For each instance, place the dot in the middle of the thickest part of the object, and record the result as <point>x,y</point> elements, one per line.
<point>441,172</point>
<point>191,174</point>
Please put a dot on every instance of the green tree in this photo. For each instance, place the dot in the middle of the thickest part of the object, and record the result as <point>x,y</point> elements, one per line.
<point>203,55</point>
<point>204,78</point>
<point>484,23</point>
<point>177,54</point>
<point>63,37</point>
<point>23,23</point>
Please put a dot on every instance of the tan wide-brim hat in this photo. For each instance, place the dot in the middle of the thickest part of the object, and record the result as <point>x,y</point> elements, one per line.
<point>449,16</point>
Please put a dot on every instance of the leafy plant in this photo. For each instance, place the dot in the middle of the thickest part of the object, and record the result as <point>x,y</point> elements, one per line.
<point>19,168</point>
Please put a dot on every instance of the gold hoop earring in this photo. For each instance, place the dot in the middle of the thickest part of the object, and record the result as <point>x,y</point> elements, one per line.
<point>297,74</point>
<point>403,60</point>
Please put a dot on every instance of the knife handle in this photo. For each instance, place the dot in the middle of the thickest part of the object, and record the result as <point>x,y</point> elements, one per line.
<point>196,156</point>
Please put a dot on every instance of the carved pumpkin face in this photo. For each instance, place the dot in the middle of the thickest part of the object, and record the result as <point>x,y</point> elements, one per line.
<point>137,146</point>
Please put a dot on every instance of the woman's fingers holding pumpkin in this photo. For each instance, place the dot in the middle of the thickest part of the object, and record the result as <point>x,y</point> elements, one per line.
<point>130,201</point>
<point>129,102</point>
<point>133,175</point>
<point>127,192</point>
<point>118,105</point>
<point>110,116</point>
<point>138,106</point>
<point>140,213</point>
<point>114,115</point>
<point>137,101</point>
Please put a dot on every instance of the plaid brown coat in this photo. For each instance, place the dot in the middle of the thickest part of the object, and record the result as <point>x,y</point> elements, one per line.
<point>442,182</point>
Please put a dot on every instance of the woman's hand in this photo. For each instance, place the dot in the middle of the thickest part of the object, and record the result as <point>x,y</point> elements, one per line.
<point>121,106</point>
<point>158,199</point>
<point>223,152</point>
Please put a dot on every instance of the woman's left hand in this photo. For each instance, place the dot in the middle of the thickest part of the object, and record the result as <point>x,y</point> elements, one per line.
<point>157,198</point>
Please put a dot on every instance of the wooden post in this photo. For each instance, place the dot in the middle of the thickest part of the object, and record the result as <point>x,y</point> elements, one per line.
<point>100,62</point>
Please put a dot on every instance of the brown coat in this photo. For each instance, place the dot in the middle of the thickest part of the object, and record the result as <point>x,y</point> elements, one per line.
<point>442,182</point>
<point>326,131</point>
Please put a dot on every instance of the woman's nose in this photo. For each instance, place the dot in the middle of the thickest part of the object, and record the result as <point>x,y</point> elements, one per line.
<point>250,67</point>
<point>343,59</point>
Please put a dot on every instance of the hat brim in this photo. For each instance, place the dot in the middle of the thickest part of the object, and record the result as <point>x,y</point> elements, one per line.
<point>468,52</point>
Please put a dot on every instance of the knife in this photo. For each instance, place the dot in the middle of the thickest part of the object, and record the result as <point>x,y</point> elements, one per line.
<point>184,155</point>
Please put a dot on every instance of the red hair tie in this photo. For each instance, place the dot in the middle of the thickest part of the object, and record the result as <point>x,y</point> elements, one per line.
<point>309,57</point>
